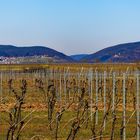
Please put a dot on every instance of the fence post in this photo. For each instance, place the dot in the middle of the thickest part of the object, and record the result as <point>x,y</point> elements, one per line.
<point>113,96</point>
<point>124,106</point>
<point>138,107</point>
<point>91,92</point>
<point>104,97</point>
<point>96,96</point>
<point>65,86</point>
<point>60,88</point>
<point>1,90</point>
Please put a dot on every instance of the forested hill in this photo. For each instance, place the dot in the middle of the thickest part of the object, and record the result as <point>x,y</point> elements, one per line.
<point>128,52</point>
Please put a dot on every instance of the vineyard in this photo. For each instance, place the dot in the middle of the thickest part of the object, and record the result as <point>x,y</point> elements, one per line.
<point>70,103</point>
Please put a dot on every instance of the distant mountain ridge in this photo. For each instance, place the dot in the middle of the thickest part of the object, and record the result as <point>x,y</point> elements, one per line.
<point>13,51</point>
<point>122,53</point>
<point>127,52</point>
<point>78,57</point>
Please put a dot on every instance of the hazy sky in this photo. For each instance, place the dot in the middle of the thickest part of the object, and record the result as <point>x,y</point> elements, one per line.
<point>70,26</point>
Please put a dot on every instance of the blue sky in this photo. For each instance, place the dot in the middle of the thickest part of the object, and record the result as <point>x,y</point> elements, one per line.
<point>69,26</point>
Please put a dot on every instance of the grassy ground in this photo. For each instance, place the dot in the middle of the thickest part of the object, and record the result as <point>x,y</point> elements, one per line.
<point>38,126</point>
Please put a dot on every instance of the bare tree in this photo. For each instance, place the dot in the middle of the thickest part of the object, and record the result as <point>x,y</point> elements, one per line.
<point>15,119</point>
